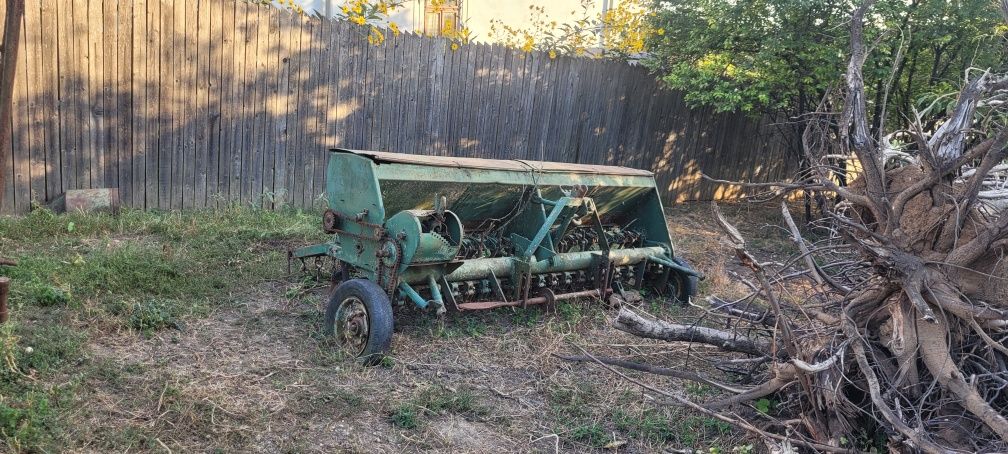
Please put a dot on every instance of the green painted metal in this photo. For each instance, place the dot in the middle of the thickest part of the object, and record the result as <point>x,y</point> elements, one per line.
<point>560,206</point>
<point>470,229</point>
<point>422,247</point>
<point>477,269</point>
<point>436,293</point>
<point>312,251</point>
<point>412,294</point>
<point>674,266</point>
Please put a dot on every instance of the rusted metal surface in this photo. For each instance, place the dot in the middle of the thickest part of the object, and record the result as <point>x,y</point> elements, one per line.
<point>4,291</point>
<point>535,300</point>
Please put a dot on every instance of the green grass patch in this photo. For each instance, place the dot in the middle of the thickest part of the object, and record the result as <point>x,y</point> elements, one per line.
<point>45,295</point>
<point>575,417</point>
<point>571,311</point>
<point>571,404</point>
<point>670,426</point>
<point>441,400</point>
<point>48,348</point>
<point>527,318</point>
<point>434,401</point>
<point>405,416</point>
<point>26,422</point>
<point>467,325</point>
<point>146,259</point>
<point>80,274</point>
<point>591,434</point>
<point>153,314</point>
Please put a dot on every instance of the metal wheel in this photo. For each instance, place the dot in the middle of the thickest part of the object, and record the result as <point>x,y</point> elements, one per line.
<point>359,316</point>
<point>352,326</point>
<point>681,286</point>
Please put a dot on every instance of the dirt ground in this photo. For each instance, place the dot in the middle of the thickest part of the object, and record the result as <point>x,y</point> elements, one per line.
<point>254,374</point>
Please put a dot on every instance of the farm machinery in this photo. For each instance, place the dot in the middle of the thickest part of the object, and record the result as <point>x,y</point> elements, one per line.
<point>467,234</point>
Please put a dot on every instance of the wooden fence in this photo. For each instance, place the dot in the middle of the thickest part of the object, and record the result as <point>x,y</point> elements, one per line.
<point>196,103</point>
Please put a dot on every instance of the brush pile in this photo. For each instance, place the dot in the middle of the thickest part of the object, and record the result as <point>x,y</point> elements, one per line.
<point>900,320</point>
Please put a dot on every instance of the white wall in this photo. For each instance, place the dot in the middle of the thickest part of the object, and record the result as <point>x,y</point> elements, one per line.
<point>479,13</point>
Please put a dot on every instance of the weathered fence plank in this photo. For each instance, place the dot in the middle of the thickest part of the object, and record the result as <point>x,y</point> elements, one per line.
<point>145,69</point>
<point>36,128</point>
<point>201,134</point>
<point>19,138</point>
<point>243,147</point>
<point>50,100</point>
<point>231,52</point>
<point>163,21</point>
<point>267,49</point>
<point>202,103</point>
<point>124,95</point>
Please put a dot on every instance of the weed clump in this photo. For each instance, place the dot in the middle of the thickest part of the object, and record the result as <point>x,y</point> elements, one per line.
<point>405,417</point>
<point>48,296</point>
<point>24,423</point>
<point>434,401</point>
<point>152,315</point>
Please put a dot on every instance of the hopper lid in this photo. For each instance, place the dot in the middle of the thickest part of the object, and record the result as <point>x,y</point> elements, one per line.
<point>516,165</point>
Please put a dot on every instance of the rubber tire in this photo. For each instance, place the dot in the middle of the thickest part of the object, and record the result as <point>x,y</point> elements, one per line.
<point>686,284</point>
<point>379,310</point>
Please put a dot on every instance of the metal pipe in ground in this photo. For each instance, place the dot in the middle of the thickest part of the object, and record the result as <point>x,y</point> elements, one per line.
<point>4,291</point>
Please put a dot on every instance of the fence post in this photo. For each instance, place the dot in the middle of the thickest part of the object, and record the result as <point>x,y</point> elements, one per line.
<point>11,35</point>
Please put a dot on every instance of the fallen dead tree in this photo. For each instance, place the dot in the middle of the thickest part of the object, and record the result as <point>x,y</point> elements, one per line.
<point>902,325</point>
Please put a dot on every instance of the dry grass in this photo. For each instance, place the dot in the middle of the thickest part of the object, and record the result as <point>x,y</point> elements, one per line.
<point>251,372</point>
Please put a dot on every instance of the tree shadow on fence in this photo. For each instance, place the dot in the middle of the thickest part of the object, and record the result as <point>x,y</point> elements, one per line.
<point>190,105</point>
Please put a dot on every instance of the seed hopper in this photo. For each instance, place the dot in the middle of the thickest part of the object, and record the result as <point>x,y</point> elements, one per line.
<point>467,234</point>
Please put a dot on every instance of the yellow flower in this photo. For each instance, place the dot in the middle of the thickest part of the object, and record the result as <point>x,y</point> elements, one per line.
<point>454,47</point>
<point>529,43</point>
<point>359,20</point>
<point>394,27</point>
<point>378,36</point>
<point>552,54</point>
<point>660,31</point>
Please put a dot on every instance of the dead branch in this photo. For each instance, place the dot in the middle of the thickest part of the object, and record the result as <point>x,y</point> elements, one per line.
<point>630,322</point>
<point>764,318</point>
<point>935,353</point>
<point>737,422</point>
<point>797,239</point>
<point>782,376</point>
